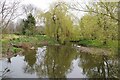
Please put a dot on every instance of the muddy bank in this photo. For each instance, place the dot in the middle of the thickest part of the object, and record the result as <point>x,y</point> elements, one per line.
<point>9,55</point>
<point>93,50</point>
<point>0,56</point>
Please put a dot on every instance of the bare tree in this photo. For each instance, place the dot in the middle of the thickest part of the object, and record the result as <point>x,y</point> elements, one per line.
<point>10,29</point>
<point>8,12</point>
<point>29,9</point>
<point>36,12</point>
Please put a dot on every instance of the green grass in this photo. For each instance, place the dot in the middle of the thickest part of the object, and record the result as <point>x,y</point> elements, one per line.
<point>50,41</point>
<point>97,43</point>
<point>34,39</point>
<point>94,43</point>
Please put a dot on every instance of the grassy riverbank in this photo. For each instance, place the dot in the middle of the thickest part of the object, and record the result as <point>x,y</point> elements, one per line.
<point>99,44</point>
<point>38,40</point>
<point>112,44</point>
<point>27,41</point>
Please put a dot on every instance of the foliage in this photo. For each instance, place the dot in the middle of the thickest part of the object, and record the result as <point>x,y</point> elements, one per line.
<point>98,27</point>
<point>88,27</point>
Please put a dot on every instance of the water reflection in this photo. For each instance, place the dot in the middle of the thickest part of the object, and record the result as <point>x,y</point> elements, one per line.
<point>62,62</point>
<point>30,58</point>
<point>56,62</point>
<point>9,60</point>
<point>99,66</point>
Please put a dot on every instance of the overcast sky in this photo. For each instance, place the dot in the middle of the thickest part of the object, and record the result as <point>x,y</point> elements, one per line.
<point>44,4</point>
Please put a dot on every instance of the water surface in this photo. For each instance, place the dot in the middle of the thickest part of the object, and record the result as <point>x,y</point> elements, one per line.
<point>60,62</point>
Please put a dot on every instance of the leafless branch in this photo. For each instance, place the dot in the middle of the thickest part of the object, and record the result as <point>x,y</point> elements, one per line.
<point>8,12</point>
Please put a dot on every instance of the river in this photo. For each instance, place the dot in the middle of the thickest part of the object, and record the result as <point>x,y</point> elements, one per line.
<point>59,62</point>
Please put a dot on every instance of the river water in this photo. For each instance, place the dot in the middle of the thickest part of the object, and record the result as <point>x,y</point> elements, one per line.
<point>59,62</point>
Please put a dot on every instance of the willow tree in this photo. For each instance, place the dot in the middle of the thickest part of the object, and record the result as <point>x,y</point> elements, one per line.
<point>58,22</point>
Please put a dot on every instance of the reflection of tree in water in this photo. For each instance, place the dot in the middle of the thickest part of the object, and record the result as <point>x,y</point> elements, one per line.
<point>57,62</point>
<point>99,66</point>
<point>30,58</point>
<point>118,65</point>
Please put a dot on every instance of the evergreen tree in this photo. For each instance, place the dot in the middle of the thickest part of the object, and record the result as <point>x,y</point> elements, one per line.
<point>29,25</point>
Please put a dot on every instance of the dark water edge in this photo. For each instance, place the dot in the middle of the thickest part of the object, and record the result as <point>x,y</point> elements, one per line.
<point>60,62</point>
<point>60,79</point>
